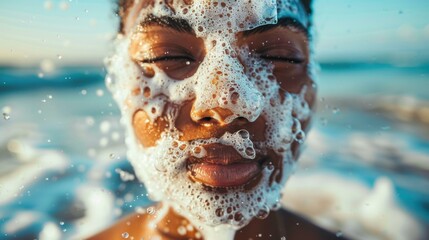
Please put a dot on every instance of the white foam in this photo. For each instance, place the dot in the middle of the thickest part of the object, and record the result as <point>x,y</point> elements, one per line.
<point>246,92</point>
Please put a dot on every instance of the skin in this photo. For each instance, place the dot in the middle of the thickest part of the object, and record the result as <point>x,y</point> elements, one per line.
<point>288,50</point>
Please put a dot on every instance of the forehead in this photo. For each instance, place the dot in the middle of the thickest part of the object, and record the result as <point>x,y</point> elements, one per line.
<point>224,16</point>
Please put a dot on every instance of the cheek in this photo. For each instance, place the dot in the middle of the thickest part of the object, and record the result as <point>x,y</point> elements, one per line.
<point>292,77</point>
<point>147,132</point>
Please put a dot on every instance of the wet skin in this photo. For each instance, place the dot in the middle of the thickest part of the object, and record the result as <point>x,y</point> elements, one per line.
<point>281,223</point>
<point>286,47</point>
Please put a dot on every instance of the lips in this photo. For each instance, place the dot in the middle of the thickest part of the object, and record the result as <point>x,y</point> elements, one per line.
<point>223,167</point>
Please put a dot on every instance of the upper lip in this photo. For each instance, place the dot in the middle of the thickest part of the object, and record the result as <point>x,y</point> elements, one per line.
<point>220,154</point>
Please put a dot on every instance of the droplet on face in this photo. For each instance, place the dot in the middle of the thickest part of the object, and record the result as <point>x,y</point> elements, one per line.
<point>125,235</point>
<point>148,71</point>
<point>181,230</point>
<point>146,92</point>
<point>136,91</point>
<point>234,97</point>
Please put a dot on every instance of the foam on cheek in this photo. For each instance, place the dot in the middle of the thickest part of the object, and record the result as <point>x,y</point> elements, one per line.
<point>220,81</point>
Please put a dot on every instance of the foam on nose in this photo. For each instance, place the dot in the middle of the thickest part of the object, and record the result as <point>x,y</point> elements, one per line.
<point>222,82</point>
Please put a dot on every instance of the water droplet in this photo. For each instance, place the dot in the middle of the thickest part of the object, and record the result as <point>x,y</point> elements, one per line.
<point>181,230</point>
<point>339,234</point>
<point>112,156</point>
<point>150,210</point>
<point>110,81</point>
<point>148,71</point>
<point>100,92</point>
<point>125,235</point>
<point>283,238</point>
<point>6,116</point>
<point>59,57</point>
<point>83,92</point>
<point>335,110</point>
<point>61,223</point>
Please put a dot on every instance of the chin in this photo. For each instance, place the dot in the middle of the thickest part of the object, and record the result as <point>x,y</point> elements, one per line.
<point>163,170</point>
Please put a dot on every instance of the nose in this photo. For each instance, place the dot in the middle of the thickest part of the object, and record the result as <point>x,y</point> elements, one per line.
<point>223,92</point>
<point>215,116</point>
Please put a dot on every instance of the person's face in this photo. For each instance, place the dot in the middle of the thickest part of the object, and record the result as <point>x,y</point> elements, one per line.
<point>215,105</point>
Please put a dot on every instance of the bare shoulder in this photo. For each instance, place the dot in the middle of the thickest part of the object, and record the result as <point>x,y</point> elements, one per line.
<point>298,227</point>
<point>285,224</point>
<point>126,227</point>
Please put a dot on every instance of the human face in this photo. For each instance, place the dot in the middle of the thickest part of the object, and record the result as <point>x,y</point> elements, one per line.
<point>215,104</point>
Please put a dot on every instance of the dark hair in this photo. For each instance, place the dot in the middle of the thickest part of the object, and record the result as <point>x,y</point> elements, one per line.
<point>123,7</point>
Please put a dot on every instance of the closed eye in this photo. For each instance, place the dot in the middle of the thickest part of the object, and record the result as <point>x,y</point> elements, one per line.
<point>291,60</point>
<point>168,58</point>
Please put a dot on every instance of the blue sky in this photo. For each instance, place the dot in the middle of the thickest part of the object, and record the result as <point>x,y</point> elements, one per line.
<point>79,31</point>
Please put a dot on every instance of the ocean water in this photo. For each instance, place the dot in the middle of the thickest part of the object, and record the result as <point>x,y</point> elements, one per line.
<point>64,174</point>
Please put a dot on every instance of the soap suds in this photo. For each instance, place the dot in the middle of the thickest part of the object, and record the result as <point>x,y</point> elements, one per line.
<point>249,92</point>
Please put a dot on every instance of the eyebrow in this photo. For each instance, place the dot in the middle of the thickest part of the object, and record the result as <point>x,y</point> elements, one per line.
<point>282,22</point>
<point>178,24</point>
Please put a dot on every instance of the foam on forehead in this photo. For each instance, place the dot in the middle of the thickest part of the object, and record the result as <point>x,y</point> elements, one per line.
<point>223,16</point>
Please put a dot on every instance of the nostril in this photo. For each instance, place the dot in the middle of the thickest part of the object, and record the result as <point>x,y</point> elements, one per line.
<point>241,120</point>
<point>207,121</point>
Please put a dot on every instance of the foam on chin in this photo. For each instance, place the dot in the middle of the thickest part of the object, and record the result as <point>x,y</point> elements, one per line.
<point>163,168</point>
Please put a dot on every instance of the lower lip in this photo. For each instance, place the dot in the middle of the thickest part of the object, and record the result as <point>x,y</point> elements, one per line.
<point>215,175</point>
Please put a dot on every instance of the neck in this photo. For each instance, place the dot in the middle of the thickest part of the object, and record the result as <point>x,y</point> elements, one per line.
<point>174,226</point>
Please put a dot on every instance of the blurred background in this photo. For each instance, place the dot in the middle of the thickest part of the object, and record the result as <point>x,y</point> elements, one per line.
<point>364,172</point>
